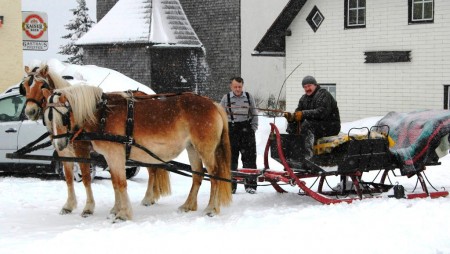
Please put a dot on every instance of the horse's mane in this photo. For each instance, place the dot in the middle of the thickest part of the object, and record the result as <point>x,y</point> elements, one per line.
<point>83,100</point>
<point>53,79</point>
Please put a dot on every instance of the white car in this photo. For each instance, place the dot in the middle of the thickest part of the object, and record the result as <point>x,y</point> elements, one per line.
<point>16,131</point>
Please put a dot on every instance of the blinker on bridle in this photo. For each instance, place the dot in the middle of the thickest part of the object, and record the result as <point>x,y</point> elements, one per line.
<point>23,91</point>
<point>52,106</point>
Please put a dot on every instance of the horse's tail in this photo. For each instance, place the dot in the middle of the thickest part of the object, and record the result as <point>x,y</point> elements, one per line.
<point>223,160</point>
<point>161,187</point>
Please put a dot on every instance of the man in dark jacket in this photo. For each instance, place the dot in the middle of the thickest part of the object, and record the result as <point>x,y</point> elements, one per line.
<point>316,116</point>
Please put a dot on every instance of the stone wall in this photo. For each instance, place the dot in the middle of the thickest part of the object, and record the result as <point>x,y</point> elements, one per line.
<point>217,24</point>
<point>132,61</point>
<point>103,7</point>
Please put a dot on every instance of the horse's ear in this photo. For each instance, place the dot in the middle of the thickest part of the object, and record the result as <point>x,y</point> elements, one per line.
<point>27,70</point>
<point>44,70</point>
<point>46,93</point>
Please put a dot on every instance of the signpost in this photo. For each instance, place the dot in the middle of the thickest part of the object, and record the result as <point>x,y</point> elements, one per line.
<point>35,31</point>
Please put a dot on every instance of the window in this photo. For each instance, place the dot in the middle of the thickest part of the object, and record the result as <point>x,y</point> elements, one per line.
<point>420,11</point>
<point>11,108</point>
<point>315,19</point>
<point>355,14</point>
<point>330,88</point>
<point>446,97</point>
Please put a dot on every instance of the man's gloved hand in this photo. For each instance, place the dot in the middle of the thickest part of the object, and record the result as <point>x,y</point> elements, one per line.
<point>289,117</point>
<point>298,116</point>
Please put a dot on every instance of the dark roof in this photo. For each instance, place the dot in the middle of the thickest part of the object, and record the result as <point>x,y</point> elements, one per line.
<point>274,41</point>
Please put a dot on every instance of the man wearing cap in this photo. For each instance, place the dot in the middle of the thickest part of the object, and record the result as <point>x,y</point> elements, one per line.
<point>316,116</point>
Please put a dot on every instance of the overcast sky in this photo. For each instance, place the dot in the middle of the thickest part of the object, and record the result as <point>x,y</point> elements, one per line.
<point>59,14</point>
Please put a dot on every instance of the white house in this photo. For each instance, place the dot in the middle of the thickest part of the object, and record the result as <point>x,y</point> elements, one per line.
<point>376,55</point>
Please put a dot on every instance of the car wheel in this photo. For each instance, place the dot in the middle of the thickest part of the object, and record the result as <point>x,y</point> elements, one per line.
<point>132,172</point>
<point>77,176</point>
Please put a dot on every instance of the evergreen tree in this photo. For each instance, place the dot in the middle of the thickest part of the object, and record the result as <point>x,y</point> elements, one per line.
<point>77,27</point>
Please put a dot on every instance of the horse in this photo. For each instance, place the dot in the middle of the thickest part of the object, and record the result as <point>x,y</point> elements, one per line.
<point>31,87</point>
<point>162,125</point>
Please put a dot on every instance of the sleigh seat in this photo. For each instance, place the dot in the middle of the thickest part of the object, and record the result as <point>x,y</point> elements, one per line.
<point>338,154</point>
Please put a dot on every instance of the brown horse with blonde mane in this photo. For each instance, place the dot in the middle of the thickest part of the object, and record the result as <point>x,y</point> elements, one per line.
<point>31,87</point>
<point>164,125</point>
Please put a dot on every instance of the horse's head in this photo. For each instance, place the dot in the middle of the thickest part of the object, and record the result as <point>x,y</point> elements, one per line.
<point>69,110</point>
<point>31,87</point>
<point>58,118</point>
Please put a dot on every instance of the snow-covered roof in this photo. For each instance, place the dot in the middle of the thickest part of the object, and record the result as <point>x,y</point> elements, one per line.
<point>107,79</point>
<point>157,22</point>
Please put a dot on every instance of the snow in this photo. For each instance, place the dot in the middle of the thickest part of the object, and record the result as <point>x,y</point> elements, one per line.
<point>143,21</point>
<point>107,79</point>
<point>266,222</point>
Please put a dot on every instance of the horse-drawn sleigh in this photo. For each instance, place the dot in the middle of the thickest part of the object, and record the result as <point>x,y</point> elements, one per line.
<point>150,130</point>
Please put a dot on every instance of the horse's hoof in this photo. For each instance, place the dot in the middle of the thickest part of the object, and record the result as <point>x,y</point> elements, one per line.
<point>211,214</point>
<point>146,203</point>
<point>118,220</point>
<point>65,211</point>
<point>86,214</point>
<point>183,209</point>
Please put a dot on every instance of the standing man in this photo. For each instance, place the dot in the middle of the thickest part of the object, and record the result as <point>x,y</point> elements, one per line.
<point>242,122</point>
<point>316,116</point>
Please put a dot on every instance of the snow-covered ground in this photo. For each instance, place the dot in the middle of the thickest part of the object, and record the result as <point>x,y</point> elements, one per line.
<point>266,222</point>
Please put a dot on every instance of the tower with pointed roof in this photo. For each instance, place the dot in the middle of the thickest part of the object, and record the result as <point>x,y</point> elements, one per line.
<point>206,54</point>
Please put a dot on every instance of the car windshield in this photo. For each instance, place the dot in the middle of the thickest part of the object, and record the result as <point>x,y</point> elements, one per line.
<point>11,108</point>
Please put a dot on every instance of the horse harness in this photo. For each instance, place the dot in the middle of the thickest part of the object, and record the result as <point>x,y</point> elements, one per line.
<point>102,106</point>
<point>127,140</point>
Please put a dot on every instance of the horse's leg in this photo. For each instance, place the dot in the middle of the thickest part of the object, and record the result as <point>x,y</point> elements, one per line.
<point>82,150</point>
<point>115,209</point>
<point>196,165</point>
<point>213,207</point>
<point>149,198</point>
<point>158,185</point>
<point>122,206</point>
<point>217,162</point>
<point>71,202</point>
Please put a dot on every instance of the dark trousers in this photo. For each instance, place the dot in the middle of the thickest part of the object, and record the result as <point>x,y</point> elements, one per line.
<point>242,139</point>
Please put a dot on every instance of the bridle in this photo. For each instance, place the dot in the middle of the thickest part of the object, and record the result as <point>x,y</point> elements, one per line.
<point>32,77</point>
<point>52,106</point>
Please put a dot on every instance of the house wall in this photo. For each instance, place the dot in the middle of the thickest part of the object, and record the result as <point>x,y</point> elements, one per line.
<point>103,8</point>
<point>263,76</point>
<point>217,24</point>
<point>178,70</point>
<point>11,65</point>
<point>336,55</point>
<point>133,61</point>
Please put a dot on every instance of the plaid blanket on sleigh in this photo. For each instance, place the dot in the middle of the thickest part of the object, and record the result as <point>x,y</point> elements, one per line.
<point>417,135</point>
